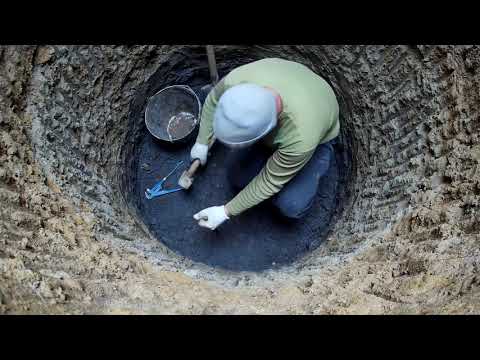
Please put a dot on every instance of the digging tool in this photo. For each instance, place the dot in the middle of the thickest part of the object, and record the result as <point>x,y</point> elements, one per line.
<point>212,64</point>
<point>158,190</point>
<point>187,177</point>
<point>212,67</point>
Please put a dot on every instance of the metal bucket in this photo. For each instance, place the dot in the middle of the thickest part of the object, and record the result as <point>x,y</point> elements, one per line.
<point>173,113</point>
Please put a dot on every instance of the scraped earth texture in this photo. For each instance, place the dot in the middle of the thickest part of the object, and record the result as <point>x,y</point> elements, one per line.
<point>404,237</point>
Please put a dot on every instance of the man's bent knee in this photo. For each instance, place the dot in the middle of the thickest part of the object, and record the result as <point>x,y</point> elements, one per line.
<point>292,211</point>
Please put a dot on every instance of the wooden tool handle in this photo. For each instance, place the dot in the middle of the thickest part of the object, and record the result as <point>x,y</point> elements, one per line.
<point>193,167</point>
<point>212,64</point>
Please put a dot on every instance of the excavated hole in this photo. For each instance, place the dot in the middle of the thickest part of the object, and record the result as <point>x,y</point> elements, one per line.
<point>257,240</point>
<point>404,236</point>
<point>90,138</point>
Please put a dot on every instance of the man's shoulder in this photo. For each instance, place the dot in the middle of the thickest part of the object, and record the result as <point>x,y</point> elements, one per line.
<point>295,136</point>
<point>261,64</point>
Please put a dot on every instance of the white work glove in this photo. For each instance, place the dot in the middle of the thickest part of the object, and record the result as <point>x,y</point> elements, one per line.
<point>211,217</point>
<point>199,151</point>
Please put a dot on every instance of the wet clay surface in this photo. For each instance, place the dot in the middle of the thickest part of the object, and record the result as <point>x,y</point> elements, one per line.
<point>255,240</point>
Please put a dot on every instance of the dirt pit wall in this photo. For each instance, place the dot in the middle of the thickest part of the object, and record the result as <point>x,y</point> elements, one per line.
<point>404,238</point>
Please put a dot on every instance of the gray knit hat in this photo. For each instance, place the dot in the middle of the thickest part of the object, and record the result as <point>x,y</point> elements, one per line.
<point>245,113</point>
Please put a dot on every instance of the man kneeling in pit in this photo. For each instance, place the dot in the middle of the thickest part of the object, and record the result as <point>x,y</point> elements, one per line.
<point>283,119</point>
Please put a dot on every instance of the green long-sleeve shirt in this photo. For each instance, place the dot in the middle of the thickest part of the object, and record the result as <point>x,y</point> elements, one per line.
<point>309,118</point>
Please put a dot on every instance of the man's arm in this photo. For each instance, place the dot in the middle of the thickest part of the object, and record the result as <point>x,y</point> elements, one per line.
<point>205,133</point>
<point>280,168</point>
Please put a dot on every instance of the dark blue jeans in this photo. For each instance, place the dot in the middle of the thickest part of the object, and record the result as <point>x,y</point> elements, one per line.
<point>297,196</point>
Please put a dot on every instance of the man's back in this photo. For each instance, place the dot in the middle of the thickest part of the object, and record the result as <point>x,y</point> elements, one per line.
<point>309,118</point>
<point>310,108</point>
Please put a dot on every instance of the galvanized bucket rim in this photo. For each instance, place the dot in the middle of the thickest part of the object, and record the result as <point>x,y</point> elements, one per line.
<point>183,87</point>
